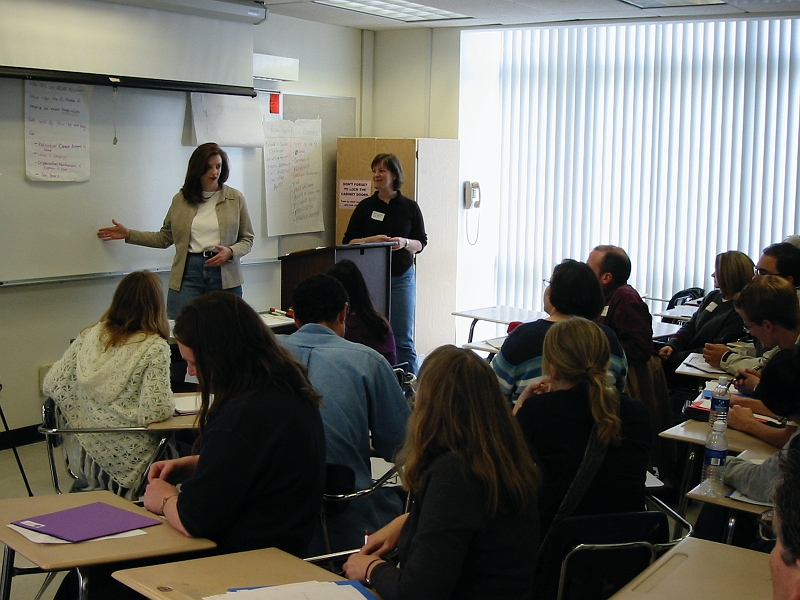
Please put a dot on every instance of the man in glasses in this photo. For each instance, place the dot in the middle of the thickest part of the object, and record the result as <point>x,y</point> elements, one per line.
<point>784,562</point>
<point>781,260</point>
<point>770,311</point>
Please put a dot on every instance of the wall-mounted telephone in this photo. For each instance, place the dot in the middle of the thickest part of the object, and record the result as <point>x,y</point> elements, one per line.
<point>472,194</point>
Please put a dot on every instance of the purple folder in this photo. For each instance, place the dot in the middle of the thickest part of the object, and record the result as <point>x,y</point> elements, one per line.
<point>87,522</point>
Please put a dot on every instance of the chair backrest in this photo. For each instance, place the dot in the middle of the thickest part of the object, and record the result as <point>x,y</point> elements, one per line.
<point>692,293</point>
<point>592,557</point>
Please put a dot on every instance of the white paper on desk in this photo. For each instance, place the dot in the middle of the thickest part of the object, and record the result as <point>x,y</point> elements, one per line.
<point>187,404</point>
<point>497,342</point>
<point>308,590</point>
<point>43,538</point>
<point>696,360</point>
<point>737,495</point>
<point>706,404</point>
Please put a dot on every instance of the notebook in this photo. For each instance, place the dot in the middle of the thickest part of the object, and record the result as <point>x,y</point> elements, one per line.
<point>86,522</point>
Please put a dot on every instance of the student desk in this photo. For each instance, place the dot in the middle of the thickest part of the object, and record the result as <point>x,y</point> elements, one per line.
<point>498,314</point>
<point>701,569</point>
<point>491,346</point>
<point>695,432</point>
<point>195,579</point>
<point>160,540</point>
<point>682,312</point>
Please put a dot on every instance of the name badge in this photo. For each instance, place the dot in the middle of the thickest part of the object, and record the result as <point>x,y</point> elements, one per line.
<point>605,311</point>
<point>711,306</point>
<point>377,216</point>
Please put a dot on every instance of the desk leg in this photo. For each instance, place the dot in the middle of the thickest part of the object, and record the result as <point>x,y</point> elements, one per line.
<point>7,573</point>
<point>685,479</point>
<point>472,330</point>
<point>83,584</point>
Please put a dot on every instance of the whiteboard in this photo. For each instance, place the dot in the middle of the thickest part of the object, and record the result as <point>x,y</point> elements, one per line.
<point>47,229</point>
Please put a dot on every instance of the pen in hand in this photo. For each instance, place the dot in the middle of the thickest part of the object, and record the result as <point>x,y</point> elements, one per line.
<point>366,537</point>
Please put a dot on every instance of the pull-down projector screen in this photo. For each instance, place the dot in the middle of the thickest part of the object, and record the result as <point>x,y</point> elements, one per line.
<point>86,36</point>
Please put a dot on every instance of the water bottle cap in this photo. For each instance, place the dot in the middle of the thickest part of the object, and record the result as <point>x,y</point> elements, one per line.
<point>719,426</point>
<point>723,380</point>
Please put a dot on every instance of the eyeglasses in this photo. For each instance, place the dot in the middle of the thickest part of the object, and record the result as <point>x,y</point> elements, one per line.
<point>747,327</point>
<point>765,526</point>
<point>546,281</point>
<point>763,272</point>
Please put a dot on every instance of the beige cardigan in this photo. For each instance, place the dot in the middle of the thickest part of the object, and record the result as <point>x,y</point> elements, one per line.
<point>235,232</point>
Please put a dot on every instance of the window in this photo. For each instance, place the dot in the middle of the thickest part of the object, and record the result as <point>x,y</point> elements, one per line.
<point>676,141</point>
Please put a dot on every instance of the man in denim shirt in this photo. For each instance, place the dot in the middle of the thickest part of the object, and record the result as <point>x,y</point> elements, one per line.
<point>360,396</point>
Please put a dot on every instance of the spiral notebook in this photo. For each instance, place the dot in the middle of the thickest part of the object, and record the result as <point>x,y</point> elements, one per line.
<point>87,522</point>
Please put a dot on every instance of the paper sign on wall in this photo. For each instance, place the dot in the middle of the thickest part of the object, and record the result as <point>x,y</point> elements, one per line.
<point>353,191</point>
<point>56,131</point>
<point>227,120</point>
<point>293,176</point>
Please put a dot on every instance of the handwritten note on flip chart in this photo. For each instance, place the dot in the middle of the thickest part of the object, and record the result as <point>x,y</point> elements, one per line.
<point>293,176</point>
<point>56,131</point>
<point>227,120</point>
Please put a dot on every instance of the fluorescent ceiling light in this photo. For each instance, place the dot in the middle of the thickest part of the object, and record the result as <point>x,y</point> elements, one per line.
<point>399,10</point>
<point>671,3</point>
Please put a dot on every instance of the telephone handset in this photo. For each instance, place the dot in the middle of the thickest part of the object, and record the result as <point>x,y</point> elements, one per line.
<point>472,194</point>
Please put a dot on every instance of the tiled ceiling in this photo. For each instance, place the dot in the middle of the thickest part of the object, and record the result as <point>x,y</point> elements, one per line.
<point>527,12</point>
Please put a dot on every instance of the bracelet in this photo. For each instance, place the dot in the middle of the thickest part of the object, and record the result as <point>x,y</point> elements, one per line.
<point>366,573</point>
<point>164,503</point>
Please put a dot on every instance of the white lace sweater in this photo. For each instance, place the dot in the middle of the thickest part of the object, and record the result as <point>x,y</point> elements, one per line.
<point>127,385</point>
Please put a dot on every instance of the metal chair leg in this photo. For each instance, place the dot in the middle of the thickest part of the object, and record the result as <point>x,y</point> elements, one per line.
<point>683,500</point>
<point>730,527</point>
<point>47,581</point>
<point>83,584</point>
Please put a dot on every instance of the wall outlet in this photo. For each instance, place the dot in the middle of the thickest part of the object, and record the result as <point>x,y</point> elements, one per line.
<point>43,371</point>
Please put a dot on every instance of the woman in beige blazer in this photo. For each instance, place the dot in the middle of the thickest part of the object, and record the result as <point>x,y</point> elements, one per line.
<point>209,224</point>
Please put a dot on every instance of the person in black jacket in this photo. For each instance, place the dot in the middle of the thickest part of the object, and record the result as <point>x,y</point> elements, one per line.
<point>473,530</point>
<point>715,321</point>
<point>557,417</point>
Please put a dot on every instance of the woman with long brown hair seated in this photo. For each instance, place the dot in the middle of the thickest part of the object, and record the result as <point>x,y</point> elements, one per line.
<point>558,417</point>
<point>473,530</point>
<point>258,477</point>
<point>116,374</point>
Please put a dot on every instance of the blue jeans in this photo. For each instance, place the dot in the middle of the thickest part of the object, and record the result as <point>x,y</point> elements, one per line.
<point>198,279</point>
<point>403,303</point>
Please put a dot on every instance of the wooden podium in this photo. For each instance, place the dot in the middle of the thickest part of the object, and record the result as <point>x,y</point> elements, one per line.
<point>374,260</point>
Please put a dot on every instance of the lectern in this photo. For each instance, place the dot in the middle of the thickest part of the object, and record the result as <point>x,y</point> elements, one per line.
<point>374,261</point>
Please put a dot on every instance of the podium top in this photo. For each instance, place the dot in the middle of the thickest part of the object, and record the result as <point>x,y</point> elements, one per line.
<point>337,247</point>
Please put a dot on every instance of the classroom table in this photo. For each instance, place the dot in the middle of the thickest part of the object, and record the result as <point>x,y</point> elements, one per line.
<point>498,314</point>
<point>203,577</point>
<point>695,433</point>
<point>682,312</point>
<point>698,568</point>
<point>492,346</point>
<point>160,540</point>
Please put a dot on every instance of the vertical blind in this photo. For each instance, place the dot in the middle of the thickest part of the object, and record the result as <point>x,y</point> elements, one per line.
<point>675,141</point>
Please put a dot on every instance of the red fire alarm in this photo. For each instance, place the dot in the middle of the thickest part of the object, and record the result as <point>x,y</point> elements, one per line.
<point>275,104</point>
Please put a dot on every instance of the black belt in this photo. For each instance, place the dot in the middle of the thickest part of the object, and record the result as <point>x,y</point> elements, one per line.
<point>205,253</point>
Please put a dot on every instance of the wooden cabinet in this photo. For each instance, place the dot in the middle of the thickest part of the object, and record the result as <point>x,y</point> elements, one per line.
<point>431,168</point>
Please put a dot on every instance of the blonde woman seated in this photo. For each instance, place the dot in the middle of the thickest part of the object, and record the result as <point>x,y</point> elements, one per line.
<point>116,374</point>
<point>472,531</point>
<point>558,415</point>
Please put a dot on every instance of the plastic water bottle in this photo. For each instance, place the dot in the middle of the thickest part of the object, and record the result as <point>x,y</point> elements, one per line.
<point>714,460</point>
<point>720,403</point>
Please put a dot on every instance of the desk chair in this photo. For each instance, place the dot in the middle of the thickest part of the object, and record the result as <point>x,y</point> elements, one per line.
<point>340,482</point>
<point>56,431</point>
<point>682,297</point>
<point>591,557</point>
